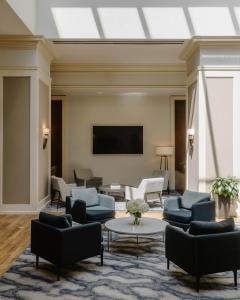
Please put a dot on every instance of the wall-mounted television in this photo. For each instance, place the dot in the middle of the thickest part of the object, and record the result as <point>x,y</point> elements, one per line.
<point>117,139</point>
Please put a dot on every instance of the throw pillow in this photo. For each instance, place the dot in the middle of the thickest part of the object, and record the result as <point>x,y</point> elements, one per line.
<point>202,227</point>
<point>64,221</point>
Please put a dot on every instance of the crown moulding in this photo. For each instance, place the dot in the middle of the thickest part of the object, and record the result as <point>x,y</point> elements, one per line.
<point>117,67</point>
<point>198,42</point>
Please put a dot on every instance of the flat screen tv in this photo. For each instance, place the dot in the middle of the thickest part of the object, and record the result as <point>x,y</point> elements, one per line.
<point>117,139</point>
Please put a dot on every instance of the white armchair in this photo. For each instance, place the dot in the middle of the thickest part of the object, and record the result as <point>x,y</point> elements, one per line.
<point>62,188</point>
<point>146,187</point>
<point>164,174</point>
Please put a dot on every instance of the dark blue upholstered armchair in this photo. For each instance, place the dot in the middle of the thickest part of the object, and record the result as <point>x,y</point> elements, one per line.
<point>191,206</point>
<point>203,254</point>
<point>63,244</point>
<point>86,206</point>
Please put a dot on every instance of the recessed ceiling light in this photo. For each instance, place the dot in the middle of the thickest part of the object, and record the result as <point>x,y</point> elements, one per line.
<point>99,92</point>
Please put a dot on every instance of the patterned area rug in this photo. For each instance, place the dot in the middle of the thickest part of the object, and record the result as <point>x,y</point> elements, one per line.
<point>123,277</point>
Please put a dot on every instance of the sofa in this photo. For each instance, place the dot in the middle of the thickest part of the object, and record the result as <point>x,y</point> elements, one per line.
<point>191,206</point>
<point>54,239</point>
<point>208,247</point>
<point>87,205</point>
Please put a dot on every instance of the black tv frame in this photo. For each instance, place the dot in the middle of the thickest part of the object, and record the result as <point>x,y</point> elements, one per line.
<point>105,152</point>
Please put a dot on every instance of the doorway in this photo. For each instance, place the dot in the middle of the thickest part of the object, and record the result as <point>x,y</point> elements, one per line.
<point>180,145</point>
<point>56,138</point>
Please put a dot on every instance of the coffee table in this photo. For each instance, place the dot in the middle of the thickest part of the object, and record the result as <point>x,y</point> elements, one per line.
<point>146,228</point>
<point>106,189</point>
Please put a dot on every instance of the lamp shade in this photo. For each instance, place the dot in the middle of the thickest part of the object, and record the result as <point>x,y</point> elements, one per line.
<point>164,150</point>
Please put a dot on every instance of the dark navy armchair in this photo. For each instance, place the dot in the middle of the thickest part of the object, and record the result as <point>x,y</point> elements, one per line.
<point>191,206</point>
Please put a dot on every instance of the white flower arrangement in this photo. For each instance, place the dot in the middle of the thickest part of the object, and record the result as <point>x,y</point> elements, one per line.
<point>137,208</point>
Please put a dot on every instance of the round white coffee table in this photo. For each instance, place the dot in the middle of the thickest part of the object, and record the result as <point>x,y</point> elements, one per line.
<point>147,227</point>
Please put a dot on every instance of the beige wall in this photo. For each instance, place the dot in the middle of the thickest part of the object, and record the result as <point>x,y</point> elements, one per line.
<point>16,140</point>
<point>219,135</point>
<point>193,161</point>
<point>43,153</point>
<point>151,112</point>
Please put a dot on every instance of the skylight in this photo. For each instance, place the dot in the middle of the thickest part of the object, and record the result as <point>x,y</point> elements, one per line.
<point>211,21</point>
<point>121,22</point>
<point>75,22</point>
<point>166,22</point>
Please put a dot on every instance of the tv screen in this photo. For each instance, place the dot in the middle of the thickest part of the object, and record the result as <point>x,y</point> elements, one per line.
<point>117,139</point>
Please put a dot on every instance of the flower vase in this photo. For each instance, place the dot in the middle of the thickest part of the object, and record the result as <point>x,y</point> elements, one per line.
<point>136,218</point>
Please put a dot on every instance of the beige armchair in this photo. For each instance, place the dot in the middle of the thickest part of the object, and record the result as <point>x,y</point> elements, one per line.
<point>146,187</point>
<point>61,189</point>
<point>85,177</point>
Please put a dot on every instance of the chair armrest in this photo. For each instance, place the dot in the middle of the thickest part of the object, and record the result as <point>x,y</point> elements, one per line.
<point>77,208</point>
<point>94,181</point>
<point>218,252</point>
<point>106,201</point>
<point>80,181</point>
<point>81,242</point>
<point>203,211</point>
<point>172,203</point>
<point>179,247</point>
<point>131,193</point>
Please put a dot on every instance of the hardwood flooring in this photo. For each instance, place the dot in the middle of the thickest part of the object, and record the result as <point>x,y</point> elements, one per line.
<point>14,238</point>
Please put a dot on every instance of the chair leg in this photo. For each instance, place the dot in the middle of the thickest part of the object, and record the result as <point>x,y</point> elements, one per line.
<point>102,258</point>
<point>58,273</point>
<point>37,261</point>
<point>235,277</point>
<point>168,263</point>
<point>197,283</point>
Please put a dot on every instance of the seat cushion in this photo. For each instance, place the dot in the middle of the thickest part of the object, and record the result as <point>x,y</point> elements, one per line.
<point>189,198</point>
<point>178,215</point>
<point>89,195</point>
<point>203,227</point>
<point>97,213</point>
<point>64,221</point>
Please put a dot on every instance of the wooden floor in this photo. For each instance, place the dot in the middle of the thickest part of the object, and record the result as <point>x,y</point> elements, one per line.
<point>15,236</point>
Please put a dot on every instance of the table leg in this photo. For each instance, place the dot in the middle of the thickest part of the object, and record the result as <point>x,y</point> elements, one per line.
<point>108,242</point>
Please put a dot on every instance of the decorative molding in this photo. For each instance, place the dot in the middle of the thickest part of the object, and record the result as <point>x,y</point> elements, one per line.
<point>219,68</point>
<point>118,68</point>
<point>198,42</point>
<point>59,86</point>
<point>118,41</point>
<point>20,41</point>
<point>19,68</point>
<point>28,42</point>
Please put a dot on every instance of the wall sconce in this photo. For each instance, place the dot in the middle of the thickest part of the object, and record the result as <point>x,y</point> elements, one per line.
<point>45,137</point>
<point>191,133</point>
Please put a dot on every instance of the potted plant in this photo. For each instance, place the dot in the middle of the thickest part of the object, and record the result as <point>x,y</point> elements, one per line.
<point>227,190</point>
<point>136,208</point>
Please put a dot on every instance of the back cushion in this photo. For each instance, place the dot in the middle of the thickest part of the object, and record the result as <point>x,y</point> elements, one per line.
<point>201,227</point>
<point>189,198</point>
<point>64,221</point>
<point>89,195</point>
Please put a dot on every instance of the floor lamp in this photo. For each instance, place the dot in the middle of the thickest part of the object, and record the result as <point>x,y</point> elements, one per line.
<point>164,152</point>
